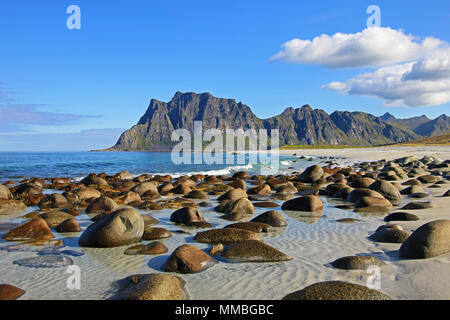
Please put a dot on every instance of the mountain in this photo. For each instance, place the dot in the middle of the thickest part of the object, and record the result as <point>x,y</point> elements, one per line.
<point>422,125</point>
<point>436,127</point>
<point>303,125</point>
<point>387,117</point>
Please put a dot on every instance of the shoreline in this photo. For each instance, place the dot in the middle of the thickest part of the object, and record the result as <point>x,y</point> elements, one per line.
<point>311,243</point>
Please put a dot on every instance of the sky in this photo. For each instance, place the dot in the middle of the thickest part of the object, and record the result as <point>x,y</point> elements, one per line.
<point>78,89</point>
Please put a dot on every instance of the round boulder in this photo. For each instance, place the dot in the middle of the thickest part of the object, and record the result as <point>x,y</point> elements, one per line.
<point>272,218</point>
<point>122,227</point>
<point>430,240</point>
<point>189,259</point>
<point>308,203</point>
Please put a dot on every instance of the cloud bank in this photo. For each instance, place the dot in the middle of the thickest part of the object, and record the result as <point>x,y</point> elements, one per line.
<point>415,84</point>
<point>411,71</point>
<point>372,47</point>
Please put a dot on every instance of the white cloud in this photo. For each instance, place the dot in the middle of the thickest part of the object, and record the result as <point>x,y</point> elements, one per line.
<point>415,84</point>
<point>372,47</point>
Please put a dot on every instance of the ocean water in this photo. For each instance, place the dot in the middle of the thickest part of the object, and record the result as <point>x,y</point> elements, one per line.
<point>19,165</point>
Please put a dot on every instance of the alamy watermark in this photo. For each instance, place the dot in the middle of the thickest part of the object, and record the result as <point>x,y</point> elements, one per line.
<point>375,19</point>
<point>214,146</point>
<point>74,20</point>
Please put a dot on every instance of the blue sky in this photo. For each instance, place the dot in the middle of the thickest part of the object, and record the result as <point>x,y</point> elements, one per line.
<point>103,76</point>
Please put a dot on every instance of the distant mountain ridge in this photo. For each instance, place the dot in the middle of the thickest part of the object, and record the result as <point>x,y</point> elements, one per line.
<point>422,125</point>
<point>299,126</point>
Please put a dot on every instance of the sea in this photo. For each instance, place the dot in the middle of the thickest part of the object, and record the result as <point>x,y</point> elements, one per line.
<point>20,165</point>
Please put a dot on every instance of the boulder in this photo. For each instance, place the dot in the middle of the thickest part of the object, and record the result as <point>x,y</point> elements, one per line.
<point>187,215</point>
<point>102,205</point>
<point>272,218</point>
<point>372,202</point>
<point>197,194</point>
<point>233,194</point>
<point>331,189</point>
<point>253,251</point>
<point>189,259</point>
<point>155,234</point>
<point>336,290</point>
<point>311,174</point>
<point>11,206</point>
<point>242,206</point>
<point>357,194</point>
<point>265,204</point>
<point>93,179</point>
<point>428,179</point>
<point>238,184</point>
<point>390,234</point>
<point>387,190</point>
<point>70,225</point>
<point>5,193</point>
<point>401,216</point>
<point>144,187</point>
<point>80,194</point>
<point>430,240</point>
<point>122,227</point>
<point>122,175</point>
<point>151,287</point>
<point>55,218</point>
<point>156,247</point>
<point>356,263</point>
<point>128,197</point>
<point>181,189</point>
<point>229,235</point>
<point>148,220</point>
<point>10,292</point>
<point>35,229</point>
<point>257,227</point>
<point>308,203</point>
<point>54,201</point>
<point>361,182</point>
<point>418,205</point>
<point>261,189</point>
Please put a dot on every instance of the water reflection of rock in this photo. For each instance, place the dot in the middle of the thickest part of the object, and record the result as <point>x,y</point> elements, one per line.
<point>114,260</point>
<point>303,216</point>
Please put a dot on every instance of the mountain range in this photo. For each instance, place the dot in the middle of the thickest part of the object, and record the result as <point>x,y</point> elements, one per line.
<point>301,126</point>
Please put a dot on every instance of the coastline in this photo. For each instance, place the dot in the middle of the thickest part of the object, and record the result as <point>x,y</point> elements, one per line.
<point>312,244</point>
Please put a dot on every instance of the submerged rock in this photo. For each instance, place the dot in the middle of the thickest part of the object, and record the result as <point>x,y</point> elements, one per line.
<point>418,206</point>
<point>226,236</point>
<point>45,261</point>
<point>356,262</point>
<point>336,290</point>
<point>401,216</point>
<point>151,287</point>
<point>253,251</point>
<point>153,248</point>
<point>252,226</point>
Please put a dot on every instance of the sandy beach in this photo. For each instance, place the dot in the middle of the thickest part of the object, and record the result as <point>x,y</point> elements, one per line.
<point>312,243</point>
